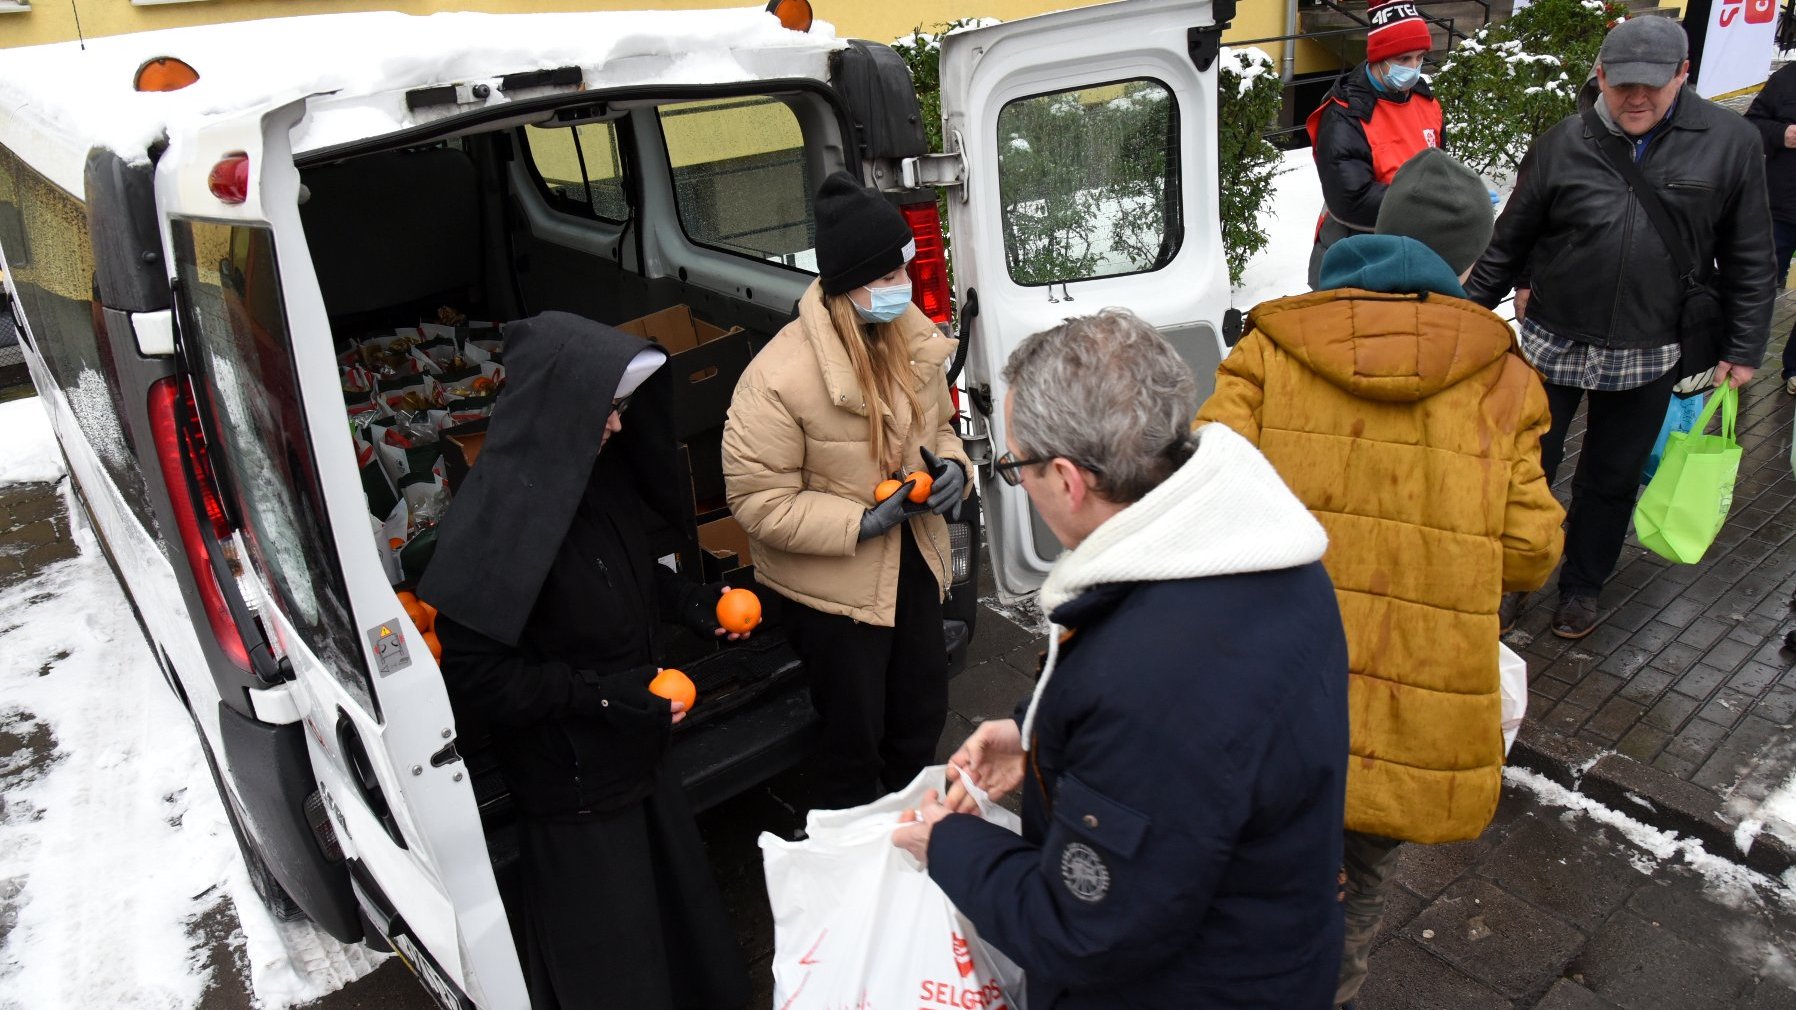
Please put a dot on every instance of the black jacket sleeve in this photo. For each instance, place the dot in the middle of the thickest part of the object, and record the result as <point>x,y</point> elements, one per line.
<point>1523,219</point>
<point>1745,255</point>
<point>1164,853</point>
<point>1344,164</point>
<point>499,685</point>
<point>1771,110</point>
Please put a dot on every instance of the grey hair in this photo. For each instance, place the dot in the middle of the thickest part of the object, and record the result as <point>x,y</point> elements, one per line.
<point>1109,393</point>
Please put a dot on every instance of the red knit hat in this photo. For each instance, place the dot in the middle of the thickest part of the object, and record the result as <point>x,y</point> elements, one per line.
<point>1397,28</point>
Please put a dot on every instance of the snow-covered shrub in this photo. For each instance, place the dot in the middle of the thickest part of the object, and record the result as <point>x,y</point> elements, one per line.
<point>1247,102</point>
<point>1507,84</point>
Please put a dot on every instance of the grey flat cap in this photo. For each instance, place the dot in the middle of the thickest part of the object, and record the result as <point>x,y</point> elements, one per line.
<point>1644,50</point>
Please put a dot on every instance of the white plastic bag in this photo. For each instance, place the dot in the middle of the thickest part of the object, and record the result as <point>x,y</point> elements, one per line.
<point>1512,681</point>
<point>857,923</point>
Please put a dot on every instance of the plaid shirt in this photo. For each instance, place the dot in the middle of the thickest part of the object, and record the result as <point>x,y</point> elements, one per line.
<point>1563,362</point>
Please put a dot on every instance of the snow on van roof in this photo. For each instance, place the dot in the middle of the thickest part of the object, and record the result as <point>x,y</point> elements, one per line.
<point>59,101</point>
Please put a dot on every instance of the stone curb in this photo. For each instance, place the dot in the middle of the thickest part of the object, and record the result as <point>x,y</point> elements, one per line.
<point>1646,794</point>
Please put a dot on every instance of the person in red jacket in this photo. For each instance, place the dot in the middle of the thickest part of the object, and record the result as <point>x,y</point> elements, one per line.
<point>1375,118</point>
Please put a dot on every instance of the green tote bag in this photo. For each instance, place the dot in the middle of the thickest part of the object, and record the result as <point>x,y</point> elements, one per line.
<point>1687,501</point>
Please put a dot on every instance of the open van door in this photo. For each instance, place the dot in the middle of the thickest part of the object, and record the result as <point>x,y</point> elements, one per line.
<point>326,634</point>
<point>1088,179</point>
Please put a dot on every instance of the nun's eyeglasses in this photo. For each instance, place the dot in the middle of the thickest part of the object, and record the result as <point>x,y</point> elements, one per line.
<point>621,404</point>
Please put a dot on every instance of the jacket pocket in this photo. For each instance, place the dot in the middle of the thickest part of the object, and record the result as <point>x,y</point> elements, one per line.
<point>1090,814</point>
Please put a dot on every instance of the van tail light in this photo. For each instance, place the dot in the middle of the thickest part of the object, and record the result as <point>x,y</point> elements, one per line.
<point>229,179</point>
<point>929,270</point>
<point>187,472</point>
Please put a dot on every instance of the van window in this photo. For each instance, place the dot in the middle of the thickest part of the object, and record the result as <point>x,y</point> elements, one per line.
<point>236,319</point>
<point>580,169</point>
<point>49,250</point>
<point>1089,182</point>
<point>741,180</point>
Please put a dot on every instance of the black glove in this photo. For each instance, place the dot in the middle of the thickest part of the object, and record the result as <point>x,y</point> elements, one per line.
<point>698,608</point>
<point>950,482</point>
<point>882,518</point>
<point>622,697</point>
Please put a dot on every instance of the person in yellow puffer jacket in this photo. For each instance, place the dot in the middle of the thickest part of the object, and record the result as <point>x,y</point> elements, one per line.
<point>1400,414</point>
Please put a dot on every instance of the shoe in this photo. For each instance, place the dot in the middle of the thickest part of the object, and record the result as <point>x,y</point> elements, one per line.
<point>1509,610</point>
<point>1576,617</point>
<point>1790,385</point>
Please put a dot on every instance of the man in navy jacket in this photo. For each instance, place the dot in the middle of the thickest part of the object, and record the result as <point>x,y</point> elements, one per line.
<point>1183,758</point>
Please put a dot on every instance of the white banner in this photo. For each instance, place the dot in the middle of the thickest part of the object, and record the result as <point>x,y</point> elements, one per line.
<point>1741,41</point>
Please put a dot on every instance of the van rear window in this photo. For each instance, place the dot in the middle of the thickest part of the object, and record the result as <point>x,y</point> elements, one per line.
<point>580,169</point>
<point>741,179</point>
<point>235,317</point>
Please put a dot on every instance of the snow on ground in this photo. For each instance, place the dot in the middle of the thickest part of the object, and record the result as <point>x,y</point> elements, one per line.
<point>113,842</point>
<point>27,449</point>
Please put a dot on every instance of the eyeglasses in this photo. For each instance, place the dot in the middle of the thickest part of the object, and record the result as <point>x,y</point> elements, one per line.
<point>1010,468</point>
<point>621,404</point>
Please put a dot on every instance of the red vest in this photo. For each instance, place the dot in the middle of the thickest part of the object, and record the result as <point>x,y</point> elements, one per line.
<point>1396,131</point>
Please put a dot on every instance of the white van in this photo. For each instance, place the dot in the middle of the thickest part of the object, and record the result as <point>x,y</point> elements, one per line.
<point>228,292</point>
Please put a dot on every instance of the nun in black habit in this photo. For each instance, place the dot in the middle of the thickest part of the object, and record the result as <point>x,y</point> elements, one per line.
<point>547,601</point>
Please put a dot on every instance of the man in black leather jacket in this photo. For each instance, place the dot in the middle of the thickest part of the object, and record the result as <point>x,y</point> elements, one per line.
<point>1603,317</point>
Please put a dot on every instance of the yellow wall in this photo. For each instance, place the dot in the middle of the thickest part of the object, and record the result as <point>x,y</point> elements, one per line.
<point>54,20</point>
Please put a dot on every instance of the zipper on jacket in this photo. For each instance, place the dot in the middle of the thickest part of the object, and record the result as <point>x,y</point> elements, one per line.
<point>1627,246</point>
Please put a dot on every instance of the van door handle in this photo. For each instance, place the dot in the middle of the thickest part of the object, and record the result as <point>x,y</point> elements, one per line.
<point>363,777</point>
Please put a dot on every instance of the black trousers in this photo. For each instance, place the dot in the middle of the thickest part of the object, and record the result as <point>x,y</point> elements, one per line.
<point>882,692</point>
<point>1784,233</point>
<point>1620,429</point>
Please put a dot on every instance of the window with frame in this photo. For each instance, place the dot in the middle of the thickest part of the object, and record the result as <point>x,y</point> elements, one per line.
<point>742,182</point>
<point>255,422</point>
<point>1089,182</point>
<point>581,169</point>
<point>49,248</point>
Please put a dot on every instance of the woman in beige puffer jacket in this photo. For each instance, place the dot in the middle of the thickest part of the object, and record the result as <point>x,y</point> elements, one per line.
<point>850,393</point>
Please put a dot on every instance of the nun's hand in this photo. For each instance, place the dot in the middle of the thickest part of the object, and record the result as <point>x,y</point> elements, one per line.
<point>915,827</point>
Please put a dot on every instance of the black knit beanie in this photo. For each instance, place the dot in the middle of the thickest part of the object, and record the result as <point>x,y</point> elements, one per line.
<point>860,237</point>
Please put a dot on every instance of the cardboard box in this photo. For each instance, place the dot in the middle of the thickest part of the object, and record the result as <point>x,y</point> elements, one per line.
<point>725,543</point>
<point>705,360</point>
<point>676,329</point>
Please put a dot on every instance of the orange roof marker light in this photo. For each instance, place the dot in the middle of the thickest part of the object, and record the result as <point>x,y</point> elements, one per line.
<point>793,14</point>
<point>164,73</point>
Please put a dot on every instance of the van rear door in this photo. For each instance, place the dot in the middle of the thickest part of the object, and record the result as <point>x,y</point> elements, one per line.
<point>256,344</point>
<point>1090,180</point>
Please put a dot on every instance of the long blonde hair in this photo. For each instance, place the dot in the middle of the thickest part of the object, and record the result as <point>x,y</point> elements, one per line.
<point>880,357</point>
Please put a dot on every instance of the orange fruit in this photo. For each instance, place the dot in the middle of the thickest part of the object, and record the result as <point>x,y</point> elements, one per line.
<point>430,616</point>
<point>739,610</point>
<point>409,601</point>
<point>435,647</point>
<point>920,492</point>
<point>886,489</point>
<point>395,543</point>
<point>674,686</point>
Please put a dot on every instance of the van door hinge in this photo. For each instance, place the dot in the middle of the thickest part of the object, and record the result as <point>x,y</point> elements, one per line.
<point>946,169</point>
<point>981,396</point>
<point>1205,44</point>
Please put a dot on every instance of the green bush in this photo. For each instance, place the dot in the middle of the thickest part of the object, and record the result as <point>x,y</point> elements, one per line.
<point>1249,94</point>
<point>1510,82</point>
<point>1083,173</point>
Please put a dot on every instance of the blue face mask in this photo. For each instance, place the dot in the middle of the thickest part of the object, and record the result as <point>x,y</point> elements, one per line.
<point>888,303</point>
<point>1401,78</point>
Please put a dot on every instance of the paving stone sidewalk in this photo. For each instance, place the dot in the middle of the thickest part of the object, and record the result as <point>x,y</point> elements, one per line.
<point>1688,675</point>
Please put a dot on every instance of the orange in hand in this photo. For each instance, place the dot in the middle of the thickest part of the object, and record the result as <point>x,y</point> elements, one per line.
<point>674,686</point>
<point>922,482</point>
<point>739,610</point>
<point>413,609</point>
<point>886,489</point>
